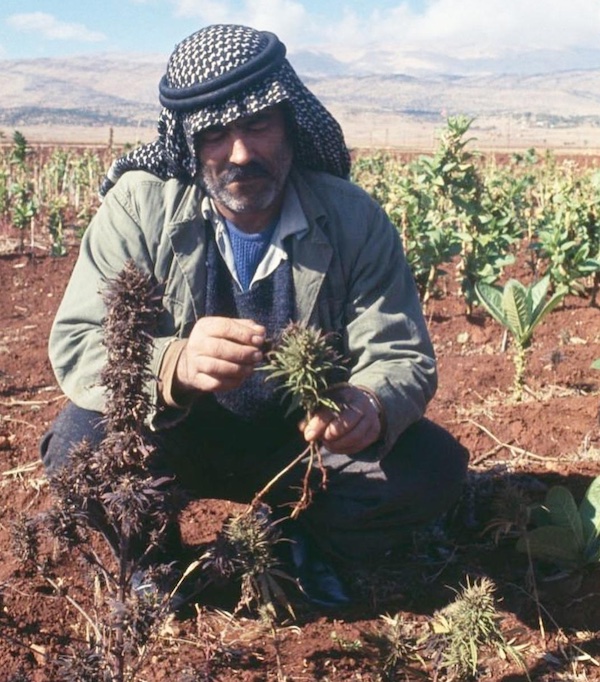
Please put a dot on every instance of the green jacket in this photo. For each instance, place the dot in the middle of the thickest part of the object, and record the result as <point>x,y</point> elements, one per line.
<point>349,272</point>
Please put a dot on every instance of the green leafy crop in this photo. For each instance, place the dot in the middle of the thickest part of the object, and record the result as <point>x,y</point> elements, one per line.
<point>566,534</point>
<point>520,310</point>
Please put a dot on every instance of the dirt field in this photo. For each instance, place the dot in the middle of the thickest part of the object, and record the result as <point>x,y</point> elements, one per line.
<point>552,437</point>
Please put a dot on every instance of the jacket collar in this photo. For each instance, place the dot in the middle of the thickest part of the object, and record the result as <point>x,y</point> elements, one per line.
<point>311,255</point>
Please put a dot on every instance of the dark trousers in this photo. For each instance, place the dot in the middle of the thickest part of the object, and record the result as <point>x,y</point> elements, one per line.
<point>366,508</point>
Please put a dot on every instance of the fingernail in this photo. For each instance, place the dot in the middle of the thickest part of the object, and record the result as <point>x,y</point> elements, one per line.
<point>257,356</point>
<point>258,340</point>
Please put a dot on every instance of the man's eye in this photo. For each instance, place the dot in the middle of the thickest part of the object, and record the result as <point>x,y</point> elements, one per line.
<point>212,134</point>
<point>258,124</point>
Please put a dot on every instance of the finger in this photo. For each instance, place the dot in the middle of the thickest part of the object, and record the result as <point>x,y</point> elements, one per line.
<point>244,331</point>
<point>228,351</point>
<point>314,428</point>
<point>349,419</point>
<point>221,368</point>
<point>355,439</point>
<point>218,375</point>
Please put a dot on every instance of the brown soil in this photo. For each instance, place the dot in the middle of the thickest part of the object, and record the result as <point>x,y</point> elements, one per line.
<point>552,437</point>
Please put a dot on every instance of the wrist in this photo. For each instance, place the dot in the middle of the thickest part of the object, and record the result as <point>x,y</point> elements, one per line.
<point>375,403</point>
<point>175,389</point>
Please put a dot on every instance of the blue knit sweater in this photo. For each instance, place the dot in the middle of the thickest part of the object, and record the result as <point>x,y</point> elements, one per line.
<point>270,302</point>
<point>248,250</point>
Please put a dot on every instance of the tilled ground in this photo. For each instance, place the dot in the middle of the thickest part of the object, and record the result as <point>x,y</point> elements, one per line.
<point>552,437</point>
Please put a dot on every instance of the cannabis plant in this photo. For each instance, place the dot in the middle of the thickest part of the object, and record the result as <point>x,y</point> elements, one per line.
<point>396,646</point>
<point>520,310</point>
<point>510,512</point>
<point>566,534</point>
<point>56,225</point>
<point>25,540</point>
<point>244,549</point>
<point>23,201</point>
<point>305,365</point>
<point>109,488</point>
<point>465,629</point>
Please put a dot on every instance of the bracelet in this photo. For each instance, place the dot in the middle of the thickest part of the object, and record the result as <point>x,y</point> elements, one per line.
<point>376,406</point>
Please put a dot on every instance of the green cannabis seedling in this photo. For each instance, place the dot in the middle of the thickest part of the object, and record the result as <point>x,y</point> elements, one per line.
<point>244,548</point>
<point>306,365</point>
<point>397,647</point>
<point>510,512</point>
<point>465,629</point>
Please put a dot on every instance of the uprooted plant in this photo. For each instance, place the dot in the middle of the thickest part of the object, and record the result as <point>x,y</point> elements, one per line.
<point>306,366</point>
<point>110,488</point>
<point>305,363</point>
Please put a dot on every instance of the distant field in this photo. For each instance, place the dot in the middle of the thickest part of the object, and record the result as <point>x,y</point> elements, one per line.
<point>366,130</point>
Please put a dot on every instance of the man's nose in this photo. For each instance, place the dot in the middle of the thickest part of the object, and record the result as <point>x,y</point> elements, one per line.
<point>241,152</point>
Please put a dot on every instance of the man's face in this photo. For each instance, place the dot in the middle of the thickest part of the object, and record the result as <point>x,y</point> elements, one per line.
<point>244,165</point>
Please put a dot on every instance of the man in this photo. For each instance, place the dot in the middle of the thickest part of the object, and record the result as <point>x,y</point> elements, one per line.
<point>241,208</point>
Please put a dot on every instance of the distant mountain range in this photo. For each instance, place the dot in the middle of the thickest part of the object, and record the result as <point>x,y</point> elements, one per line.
<point>542,87</point>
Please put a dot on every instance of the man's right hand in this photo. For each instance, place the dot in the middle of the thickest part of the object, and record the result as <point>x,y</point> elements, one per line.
<point>220,353</point>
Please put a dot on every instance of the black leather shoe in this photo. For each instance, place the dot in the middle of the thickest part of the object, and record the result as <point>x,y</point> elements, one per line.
<point>315,577</point>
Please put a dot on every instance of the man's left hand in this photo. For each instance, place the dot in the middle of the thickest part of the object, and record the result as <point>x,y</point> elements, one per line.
<point>355,427</point>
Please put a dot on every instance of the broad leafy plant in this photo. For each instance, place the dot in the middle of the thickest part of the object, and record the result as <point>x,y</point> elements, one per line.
<point>566,534</point>
<point>567,235</point>
<point>520,310</point>
<point>444,207</point>
<point>22,198</point>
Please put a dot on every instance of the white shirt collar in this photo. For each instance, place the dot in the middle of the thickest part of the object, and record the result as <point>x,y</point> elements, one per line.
<point>292,221</point>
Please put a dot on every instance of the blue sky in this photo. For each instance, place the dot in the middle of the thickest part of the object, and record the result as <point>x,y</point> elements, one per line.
<point>51,28</point>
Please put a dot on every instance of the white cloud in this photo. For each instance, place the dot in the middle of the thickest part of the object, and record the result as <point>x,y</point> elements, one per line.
<point>47,26</point>
<point>489,24</point>
<point>506,23</point>
<point>289,19</point>
<point>459,27</point>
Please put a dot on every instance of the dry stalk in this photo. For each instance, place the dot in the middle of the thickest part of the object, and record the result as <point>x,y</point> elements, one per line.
<point>511,448</point>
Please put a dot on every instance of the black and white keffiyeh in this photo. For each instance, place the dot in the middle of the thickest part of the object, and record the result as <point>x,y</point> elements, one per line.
<point>222,73</point>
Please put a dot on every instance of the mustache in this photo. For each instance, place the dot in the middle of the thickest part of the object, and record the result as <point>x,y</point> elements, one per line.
<point>253,169</point>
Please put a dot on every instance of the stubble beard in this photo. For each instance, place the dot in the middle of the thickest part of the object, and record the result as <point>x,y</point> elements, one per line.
<point>259,197</point>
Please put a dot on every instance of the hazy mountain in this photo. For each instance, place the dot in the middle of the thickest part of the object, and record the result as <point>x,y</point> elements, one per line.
<point>475,60</point>
<point>109,87</point>
<point>121,90</point>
